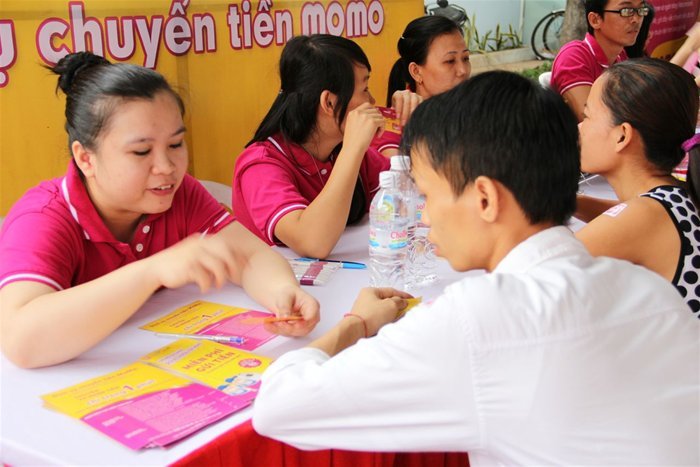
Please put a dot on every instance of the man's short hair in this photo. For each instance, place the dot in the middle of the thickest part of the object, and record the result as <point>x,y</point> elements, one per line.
<point>594,6</point>
<point>506,127</point>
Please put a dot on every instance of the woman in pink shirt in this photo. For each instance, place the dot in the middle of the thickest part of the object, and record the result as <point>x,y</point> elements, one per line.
<point>309,170</point>
<point>81,253</point>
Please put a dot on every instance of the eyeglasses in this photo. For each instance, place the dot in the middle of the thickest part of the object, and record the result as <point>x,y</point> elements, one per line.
<point>627,12</point>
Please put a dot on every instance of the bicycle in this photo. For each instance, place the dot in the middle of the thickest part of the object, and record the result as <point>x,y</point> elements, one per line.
<point>442,8</point>
<point>545,39</point>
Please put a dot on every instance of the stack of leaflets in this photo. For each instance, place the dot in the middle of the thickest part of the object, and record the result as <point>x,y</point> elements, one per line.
<point>167,395</point>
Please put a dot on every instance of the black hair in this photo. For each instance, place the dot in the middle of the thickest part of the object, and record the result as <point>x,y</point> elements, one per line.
<point>506,127</point>
<point>636,50</point>
<point>413,46</point>
<point>308,66</point>
<point>594,6</point>
<point>93,87</point>
<point>660,101</point>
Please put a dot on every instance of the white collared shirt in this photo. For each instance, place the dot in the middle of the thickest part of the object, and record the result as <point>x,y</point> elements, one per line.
<point>554,358</point>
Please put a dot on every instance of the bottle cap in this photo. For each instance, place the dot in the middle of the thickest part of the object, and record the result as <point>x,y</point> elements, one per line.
<point>388,179</point>
<point>400,162</point>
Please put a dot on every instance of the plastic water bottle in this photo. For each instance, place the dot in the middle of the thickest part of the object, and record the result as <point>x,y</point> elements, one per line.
<point>420,262</point>
<point>388,235</point>
<point>402,166</point>
<point>421,253</point>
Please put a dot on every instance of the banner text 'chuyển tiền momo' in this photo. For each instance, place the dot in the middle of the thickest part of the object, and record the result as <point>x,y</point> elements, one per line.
<point>221,56</point>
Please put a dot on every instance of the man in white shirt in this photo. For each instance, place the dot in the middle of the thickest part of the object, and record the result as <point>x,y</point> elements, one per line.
<point>551,357</point>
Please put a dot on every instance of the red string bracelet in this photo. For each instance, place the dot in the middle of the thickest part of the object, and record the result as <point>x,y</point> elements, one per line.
<point>364,323</point>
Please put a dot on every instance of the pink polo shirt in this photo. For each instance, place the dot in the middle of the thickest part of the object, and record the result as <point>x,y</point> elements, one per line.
<point>580,63</point>
<point>55,236</point>
<point>274,177</point>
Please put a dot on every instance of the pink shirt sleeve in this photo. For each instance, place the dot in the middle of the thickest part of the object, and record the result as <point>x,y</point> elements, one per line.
<point>573,67</point>
<point>39,245</point>
<point>269,192</point>
<point>204,214</point>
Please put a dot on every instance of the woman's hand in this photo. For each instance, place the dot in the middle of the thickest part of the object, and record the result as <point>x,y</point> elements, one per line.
<point>293,301</point>
<point>362,124</point>
<point>404,103</point>
<point>379,306</point>
<point>205,261</point>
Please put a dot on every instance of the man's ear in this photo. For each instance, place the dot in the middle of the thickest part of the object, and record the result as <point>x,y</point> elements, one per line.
<point>488,198</point>
<point>84,158</point>
<point>327,103</point>
<point>595,19</point>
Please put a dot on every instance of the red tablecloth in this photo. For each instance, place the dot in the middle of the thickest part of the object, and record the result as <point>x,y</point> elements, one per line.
<point>243,447</point>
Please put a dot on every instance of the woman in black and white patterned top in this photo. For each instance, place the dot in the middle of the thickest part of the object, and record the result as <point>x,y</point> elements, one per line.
<point>639,122</point>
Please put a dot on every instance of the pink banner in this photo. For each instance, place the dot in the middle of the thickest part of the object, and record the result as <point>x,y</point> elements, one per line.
<point>671,21</point>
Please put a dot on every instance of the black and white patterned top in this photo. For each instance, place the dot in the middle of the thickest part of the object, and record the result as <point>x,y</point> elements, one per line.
<point>686,217</point>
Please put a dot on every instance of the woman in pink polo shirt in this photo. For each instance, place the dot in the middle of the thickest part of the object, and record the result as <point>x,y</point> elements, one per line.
<point>309,171</point>
<point>81,253</point>
<point>433,58</point>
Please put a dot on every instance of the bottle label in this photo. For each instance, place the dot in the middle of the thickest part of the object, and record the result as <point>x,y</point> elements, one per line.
<point>386,210</point>
<point>388,239</point>
<point>420,207</point>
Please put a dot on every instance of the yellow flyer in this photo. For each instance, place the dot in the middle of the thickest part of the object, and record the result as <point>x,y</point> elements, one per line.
<point>126,383</point>
<point>142,406</point>
<point>215,319</point>
<point>220,366</point>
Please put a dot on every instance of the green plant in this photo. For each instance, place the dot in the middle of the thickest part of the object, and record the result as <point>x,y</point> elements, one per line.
<point>490,41</point>
<point>534,73</point>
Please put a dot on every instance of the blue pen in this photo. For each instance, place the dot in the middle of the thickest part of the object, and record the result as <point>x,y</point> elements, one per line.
<point>222,339</point>
<point>344,264</point>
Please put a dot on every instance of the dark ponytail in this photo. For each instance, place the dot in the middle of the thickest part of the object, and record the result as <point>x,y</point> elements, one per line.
<point>91,83</point>
<point>413,46</point>
<point>399,77</point>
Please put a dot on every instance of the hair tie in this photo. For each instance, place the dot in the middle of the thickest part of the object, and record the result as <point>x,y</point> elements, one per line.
<point>691,143</point>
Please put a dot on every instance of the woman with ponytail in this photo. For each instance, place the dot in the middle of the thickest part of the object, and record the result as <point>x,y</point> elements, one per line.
<point>82,253</point>
<point>433,58</point>
<point>639,121</point>
<point>309,171</point>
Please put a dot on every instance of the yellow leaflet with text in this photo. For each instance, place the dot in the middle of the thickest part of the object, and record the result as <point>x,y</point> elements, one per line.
<point>217,365</point>
<point>193,317</point>
<point>126,383</point>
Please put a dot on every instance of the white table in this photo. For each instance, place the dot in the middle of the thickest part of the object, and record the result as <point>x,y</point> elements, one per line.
<point>34,435</point>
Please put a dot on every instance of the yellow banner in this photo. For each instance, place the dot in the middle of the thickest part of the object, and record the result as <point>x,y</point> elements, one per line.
<point>221,56</point>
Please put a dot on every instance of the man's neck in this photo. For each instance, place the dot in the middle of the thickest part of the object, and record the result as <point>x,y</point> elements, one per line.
<point>611,49</point>
<point>511,237</point>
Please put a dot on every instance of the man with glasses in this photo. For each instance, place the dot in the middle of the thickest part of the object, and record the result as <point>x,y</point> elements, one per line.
<point>612,26</point>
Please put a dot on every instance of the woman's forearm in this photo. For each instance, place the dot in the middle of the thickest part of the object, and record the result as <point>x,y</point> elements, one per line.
<point>55,327</point>
<point>315,230</point>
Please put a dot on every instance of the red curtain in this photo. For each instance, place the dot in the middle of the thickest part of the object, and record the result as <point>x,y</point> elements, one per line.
<point>243,447</point>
